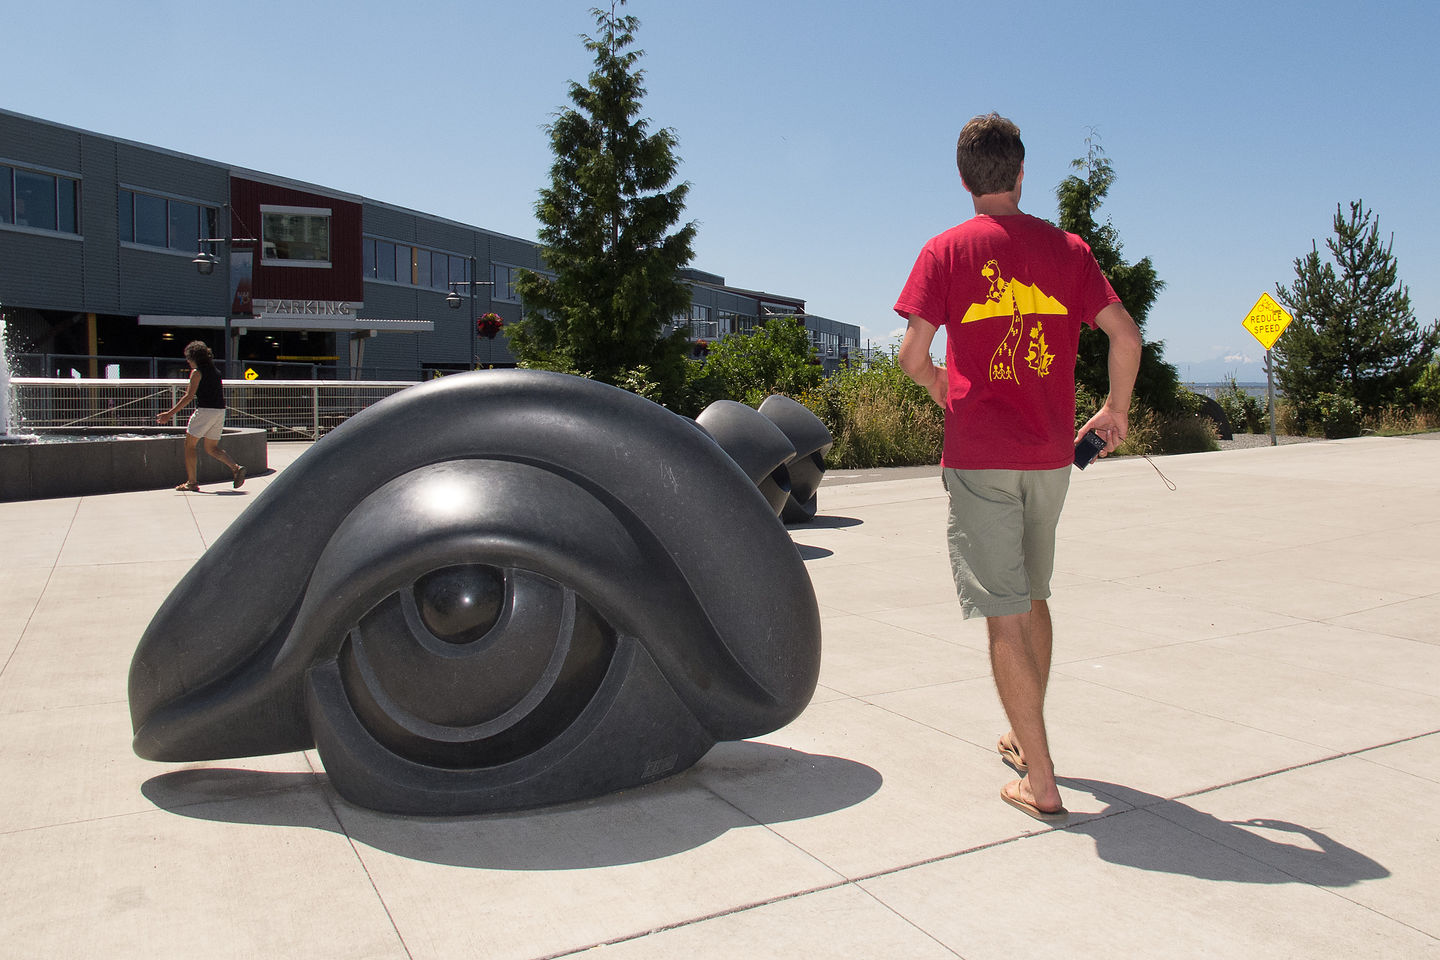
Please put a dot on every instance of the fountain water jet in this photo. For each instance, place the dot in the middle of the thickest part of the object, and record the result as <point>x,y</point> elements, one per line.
<point>6,426</point>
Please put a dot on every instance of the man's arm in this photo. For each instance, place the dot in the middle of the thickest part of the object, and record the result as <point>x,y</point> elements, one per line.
<point>1112,421</point>
<point>915,358</point>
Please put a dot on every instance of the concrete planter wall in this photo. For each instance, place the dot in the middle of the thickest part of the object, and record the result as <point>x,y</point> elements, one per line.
<point>138,460</point>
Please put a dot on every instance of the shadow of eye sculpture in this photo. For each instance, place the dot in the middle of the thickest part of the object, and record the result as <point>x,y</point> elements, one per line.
<point>494,591</point>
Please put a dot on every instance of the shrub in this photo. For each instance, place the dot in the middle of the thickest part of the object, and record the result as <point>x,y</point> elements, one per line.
<point>1426,392</point>
<point>1184,430</point>
<point>776,357</point>
<point>878,416</point>
<point>1246,412</point>
<point>1155,434</point>
<point>1187,434</point>
<point>1397,421</point>
<point>1332,415</point>
<point>1144,435</point>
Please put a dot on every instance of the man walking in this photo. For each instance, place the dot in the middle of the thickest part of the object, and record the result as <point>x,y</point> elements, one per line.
<point>1012,292</point>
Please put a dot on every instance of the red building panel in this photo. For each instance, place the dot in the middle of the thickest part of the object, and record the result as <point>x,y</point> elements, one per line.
<point>342,280</point>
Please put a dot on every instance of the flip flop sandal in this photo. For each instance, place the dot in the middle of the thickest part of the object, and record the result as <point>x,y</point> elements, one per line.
<point>188,487</point>
<point>239,476</point>
<point>1058,815</point>
<point>1011,755</point>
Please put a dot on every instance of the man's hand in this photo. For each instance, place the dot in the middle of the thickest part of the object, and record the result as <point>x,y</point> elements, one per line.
<point>914,359</point>
<point>939,388</point>
<point>1112,423</point>
<point>1108,426</point>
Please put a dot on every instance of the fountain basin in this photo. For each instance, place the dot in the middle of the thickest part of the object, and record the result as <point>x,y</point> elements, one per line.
<point>78,462</point>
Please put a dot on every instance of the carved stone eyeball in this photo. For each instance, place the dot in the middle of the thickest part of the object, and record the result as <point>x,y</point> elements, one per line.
<point>460,604</point>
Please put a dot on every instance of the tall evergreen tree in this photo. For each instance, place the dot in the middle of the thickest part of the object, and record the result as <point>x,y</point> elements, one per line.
<point>1353,333</point>
<point>606,222</point>
<point>1080,195</point>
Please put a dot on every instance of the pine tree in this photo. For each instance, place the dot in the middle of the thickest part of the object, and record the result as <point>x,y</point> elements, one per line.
<point>1158,384</point>
<point>606,237</point>
<point>1352,333</point>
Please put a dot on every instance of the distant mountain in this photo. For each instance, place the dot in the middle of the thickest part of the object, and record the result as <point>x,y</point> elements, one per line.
<point>1244,366</point>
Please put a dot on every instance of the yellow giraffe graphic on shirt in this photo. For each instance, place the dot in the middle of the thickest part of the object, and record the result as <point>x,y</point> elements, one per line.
<point>1016,299</point>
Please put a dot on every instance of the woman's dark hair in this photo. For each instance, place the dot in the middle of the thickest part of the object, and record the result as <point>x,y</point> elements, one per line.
<point>198,353</point>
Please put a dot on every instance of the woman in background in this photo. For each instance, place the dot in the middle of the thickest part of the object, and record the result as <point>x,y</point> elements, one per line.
<point>208,420</point>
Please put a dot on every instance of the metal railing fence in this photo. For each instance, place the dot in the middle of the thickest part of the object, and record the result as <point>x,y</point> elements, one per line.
<point>285,409</point>
<point>60,365</point>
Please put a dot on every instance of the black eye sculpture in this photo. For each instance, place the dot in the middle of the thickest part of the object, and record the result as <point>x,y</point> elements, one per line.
<point>781,447</point>
<point>489,592</point>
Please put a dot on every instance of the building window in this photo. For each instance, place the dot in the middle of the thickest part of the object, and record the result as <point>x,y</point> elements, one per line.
<point>504,277</point>
<point>459,269</point>
<point>413,266</point>
<point>151,220</point>
<point>385,260</point>
<point>41,201</point>
<point>699,323</point>
<point>295,236</point>
<point>747,323</point>
<point>165,223</point>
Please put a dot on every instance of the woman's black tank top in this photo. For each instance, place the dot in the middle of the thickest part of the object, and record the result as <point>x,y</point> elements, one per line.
<point>210,393</point>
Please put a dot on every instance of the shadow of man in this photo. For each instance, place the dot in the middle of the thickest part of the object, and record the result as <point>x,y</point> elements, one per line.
<point>1271,850</point>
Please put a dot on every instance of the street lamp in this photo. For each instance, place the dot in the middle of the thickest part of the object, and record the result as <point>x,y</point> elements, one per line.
<point>452,300</point>
<point>205,265</point>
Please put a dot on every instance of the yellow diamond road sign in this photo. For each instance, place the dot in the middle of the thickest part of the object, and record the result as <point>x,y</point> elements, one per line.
<point>250,374</point>
<point>1267,320</point>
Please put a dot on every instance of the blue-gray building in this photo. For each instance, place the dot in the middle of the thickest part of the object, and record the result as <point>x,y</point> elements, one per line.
<point>113,253</point>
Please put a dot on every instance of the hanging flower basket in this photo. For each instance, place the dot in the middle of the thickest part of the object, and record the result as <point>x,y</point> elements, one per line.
<point>489,325</point>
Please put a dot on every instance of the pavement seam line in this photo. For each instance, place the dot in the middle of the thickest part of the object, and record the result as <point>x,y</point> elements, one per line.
<point>911,923</point>
<point>836,885</point>
<point>1302,766</point>
<point>680,924</point>
<point>340,824</point>
<point>1248,726</point>
<point>20,638</point>
<point>852,881</point>
<point>1316,885</point>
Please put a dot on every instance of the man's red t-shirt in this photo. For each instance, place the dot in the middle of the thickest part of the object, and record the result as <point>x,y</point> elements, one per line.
<point>1011,293</point>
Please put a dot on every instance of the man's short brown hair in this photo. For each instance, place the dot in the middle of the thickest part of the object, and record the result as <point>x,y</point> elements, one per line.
<point>989,154</point>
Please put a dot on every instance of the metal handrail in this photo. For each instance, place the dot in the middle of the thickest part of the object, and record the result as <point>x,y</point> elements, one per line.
<point>285,409</point>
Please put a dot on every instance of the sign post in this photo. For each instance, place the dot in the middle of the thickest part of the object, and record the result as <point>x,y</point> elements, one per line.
<point>1266,321</point>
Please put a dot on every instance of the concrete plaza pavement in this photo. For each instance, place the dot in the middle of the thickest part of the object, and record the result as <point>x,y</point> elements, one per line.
<point>1245,712</point>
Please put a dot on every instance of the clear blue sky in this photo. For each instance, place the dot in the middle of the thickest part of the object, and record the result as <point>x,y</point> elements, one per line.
<point>818,137</point>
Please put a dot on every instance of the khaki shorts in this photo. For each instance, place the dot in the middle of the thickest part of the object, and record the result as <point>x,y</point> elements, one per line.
<point>1002,536</point>
<point>207,422</point>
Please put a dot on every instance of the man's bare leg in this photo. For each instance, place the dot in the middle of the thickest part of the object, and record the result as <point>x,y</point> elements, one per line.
<point>1020,652</point>
<point>1041,642</point>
